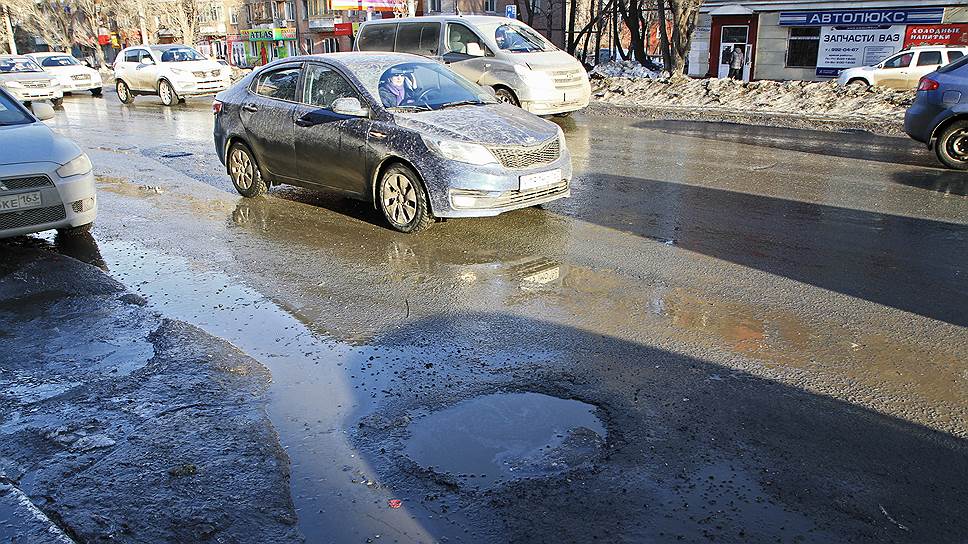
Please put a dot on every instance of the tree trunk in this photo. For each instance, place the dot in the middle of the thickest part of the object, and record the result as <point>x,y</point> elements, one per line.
<point>667,54</point>
<point>8,29</point>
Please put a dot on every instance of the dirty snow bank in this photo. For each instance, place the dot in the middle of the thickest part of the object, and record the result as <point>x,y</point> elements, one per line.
<point>628,69</point>
<point>823,99</point>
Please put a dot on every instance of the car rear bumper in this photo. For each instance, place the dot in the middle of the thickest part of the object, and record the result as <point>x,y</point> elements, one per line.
<point>921,119</point>
<point>68,203</point>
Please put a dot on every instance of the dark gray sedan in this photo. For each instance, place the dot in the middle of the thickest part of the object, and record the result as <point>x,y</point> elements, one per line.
<point>406,133</point>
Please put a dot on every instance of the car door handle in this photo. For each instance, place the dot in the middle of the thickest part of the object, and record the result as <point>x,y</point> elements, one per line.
<point>251,108</point>
<point>377,135</point>
<point>304,122</point>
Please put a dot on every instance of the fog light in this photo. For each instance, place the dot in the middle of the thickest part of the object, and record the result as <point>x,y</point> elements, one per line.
<point>83,205</point>
<point>463,201</point>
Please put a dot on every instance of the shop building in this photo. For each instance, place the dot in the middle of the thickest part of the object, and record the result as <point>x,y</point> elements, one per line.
<point>816,40</point>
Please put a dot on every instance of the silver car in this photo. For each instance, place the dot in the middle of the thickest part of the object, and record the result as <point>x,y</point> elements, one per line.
<point>22,77</point>
<point>46,181</point>
<point>402,131</point>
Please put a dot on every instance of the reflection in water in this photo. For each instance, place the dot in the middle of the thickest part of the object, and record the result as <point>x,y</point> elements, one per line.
<point>81,246</point>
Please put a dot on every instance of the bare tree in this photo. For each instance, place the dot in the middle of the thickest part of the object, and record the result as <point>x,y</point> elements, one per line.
<point>181,18</point>
<point>682,16</point>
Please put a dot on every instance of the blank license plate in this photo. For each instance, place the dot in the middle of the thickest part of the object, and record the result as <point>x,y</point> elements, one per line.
<point>541,179</point>
<point>19,202</point>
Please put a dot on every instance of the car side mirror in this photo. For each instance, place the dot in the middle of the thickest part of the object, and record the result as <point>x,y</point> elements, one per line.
<point>42,110</point>
<point>349,105</point>
<point>474,49</point>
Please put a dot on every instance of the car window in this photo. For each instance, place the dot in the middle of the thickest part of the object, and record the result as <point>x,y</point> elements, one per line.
<point>518,38</point>
<point>279,84</point>
<point>131,56</point>
<point>929,58</point>
<point>900,61</point>
<point>10,113</point>
<point>955,55</point>
<point>377,37</point>
<point>323,85</point>
<point>19,64</point>
<point>459,36</point>
<point>422,86</point>
<point>145,57</point>
<point>418,38</point>
<point>60,60</point>
<point>962,62</point>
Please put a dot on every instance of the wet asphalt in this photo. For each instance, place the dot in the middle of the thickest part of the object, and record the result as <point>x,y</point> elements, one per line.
<point>728,333</point>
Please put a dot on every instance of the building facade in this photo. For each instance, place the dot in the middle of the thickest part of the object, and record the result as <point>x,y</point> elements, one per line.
<point>815,40</point>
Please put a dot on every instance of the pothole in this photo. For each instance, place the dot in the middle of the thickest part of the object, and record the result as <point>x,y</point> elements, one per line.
<point>498,438</point>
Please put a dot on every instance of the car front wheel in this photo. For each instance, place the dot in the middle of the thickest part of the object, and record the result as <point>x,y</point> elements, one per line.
<point>403,200</point>
<point>244,171</point>
<point>124,93</point>
<point>167,93</point>
<point>506,96</point>
<point>952,146</point>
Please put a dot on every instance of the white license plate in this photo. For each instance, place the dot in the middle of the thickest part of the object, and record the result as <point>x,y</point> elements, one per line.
<point>19,202</point>
<point>541,179</point>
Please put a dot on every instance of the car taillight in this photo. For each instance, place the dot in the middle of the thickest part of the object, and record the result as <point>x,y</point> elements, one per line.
<point>927,84</point>
<point>216,107</point>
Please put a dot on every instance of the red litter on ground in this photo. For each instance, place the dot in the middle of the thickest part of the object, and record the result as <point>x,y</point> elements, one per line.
<point>395,503</point>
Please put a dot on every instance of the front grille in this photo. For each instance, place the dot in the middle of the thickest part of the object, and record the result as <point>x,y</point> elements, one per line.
<point>198,74</point>
<point>35,84</point>
<point>528,157</point>
<point>202,75</point>
<point>80,77</point>
<point>36,216</point>
<point>25,183</point>
<point>512,198</point>
<point>568,79</point>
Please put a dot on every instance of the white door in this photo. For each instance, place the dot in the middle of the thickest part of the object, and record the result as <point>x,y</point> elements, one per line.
<point>733,36</point>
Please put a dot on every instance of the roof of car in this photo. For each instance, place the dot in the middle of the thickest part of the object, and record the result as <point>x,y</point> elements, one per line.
<point>370,60</point>
<point>473,19</point>
<point>167,46</point>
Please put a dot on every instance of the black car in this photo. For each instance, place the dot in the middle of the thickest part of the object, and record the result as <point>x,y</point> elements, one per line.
<point>939,115</point>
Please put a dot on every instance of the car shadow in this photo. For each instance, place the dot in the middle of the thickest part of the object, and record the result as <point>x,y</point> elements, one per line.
<point>695,451</point>
<point>851,145</point>
<point>903,262</point>
<point>949,182</point>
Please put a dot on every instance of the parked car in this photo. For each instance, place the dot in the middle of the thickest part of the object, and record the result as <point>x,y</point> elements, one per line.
<point>27,81</point>
<point>46,181</point>
<point>173,72</point>
<point>902,70</point>
<point>402,131</point>
<point>70,73</point>
<point>513,59</point>
<point>939,115</point>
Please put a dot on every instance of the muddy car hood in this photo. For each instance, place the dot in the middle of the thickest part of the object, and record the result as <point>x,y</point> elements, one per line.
<point>491,124</point>
<point>34,143</point>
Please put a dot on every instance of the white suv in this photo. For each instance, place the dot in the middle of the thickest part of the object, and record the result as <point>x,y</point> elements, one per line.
<point>172,72</point>
<point>904,69</point>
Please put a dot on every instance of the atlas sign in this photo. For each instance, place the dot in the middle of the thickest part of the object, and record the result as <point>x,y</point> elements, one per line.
<point>862,17</point>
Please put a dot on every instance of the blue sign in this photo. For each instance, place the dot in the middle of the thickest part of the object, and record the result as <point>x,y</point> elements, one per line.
<point>511,11</point>
<point>916,16</point>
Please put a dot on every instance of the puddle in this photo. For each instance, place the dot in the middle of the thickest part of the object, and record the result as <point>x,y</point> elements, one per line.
<point>497,438</point>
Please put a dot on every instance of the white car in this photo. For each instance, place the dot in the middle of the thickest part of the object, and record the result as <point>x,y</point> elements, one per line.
<point>70,73</point>
<point>172,72</point>
<point>27,81</point>
<point>903,69</point>
<point>46,181</point>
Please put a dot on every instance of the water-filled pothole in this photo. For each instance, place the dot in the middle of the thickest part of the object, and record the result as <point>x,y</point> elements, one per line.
<point>486,440</point>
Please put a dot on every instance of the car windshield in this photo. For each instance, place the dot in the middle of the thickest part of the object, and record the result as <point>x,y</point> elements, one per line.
<point>180,54</point>
<point>19,64</point>
<point>428,86</point>
<point>60,60</point>
<point>10,113</point>
<point>521,39</point>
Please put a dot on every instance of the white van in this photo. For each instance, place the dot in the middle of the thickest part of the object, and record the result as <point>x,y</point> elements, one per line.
<point>507,55</point>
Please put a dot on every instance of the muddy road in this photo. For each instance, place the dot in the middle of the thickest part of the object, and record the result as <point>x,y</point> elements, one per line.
<point>728,333</point>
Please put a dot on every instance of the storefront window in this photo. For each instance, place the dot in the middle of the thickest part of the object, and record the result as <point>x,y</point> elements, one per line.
<point>802,47</point>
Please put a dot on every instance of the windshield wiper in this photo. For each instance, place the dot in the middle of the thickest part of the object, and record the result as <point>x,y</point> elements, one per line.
<point>461,103</point>
<point>411,107</point>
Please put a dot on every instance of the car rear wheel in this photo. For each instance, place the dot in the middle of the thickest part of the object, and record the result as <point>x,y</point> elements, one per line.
<point>952,146</point>
<point>403,200</point>
<point>506,96</point>
<point>859,84</point>
<point>244,171</point>
<point>167,93</point>
<point>124,93</point>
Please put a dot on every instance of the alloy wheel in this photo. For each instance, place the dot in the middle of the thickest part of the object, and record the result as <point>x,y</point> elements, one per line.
<point>399,199</point>
<point>167,95</point>
<point>241,169</point>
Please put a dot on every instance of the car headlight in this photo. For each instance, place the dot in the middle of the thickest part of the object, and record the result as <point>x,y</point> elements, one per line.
<point>79,165</point>
<point>461,151</point>
<point>54,83</point>
<point>532,77</point>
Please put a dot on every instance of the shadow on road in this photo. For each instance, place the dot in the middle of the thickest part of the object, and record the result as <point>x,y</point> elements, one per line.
<point>947,181</point>
<point>850,145</point>
<point>696,451</point>
<point>915,265</point>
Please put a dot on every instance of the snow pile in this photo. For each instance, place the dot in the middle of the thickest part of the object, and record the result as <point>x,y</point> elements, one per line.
<point>778,97</point>
<point>628,69</point>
